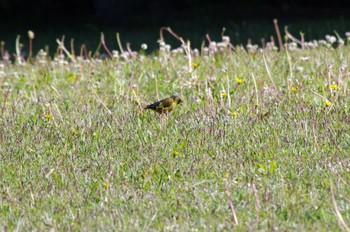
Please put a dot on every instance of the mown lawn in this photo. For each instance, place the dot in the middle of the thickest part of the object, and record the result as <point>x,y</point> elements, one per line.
<point>262,136</point>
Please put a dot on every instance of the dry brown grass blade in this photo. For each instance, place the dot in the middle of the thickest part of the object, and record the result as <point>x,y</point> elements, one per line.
<point>337,212</point>
<point>232,207</point>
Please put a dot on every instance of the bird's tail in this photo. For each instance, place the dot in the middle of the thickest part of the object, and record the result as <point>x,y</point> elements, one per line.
<point>152,106</point>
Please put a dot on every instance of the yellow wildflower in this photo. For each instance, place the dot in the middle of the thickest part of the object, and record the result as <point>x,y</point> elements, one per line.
<point>106,185</point>
<point>328,103</point>
<point>176,153</point>
<point>74,132</point>
<point>239,80</point>
<point>48,116</point>
<point>234,114</point>
<point>136,102</point>
<point>334,87</point>
<point>294,89</point>
<point>224,95</point>
<point>195,65</point>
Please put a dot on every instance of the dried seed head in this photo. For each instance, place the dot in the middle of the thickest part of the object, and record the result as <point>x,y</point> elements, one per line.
<point>31,34</point>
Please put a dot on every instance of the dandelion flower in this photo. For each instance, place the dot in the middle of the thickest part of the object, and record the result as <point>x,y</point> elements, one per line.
<point>234,114</point>
<point>48,116</point>
<point>144,46</point>
<point>74,132</point>
<point>328,103</point>
<point>334,87</point>
<point>136,102</point>
<point>331,38</point>
<point>294,89</point>
<point>31,34</point>
<point>195,65</point>
<point>239,80</point>
<point>224,95</point>
<point>176,153</point>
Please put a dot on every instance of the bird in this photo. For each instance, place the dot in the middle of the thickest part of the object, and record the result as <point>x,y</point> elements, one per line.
<point>166,105</point>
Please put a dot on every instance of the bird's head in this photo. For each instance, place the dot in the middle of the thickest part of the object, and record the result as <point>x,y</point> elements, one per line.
<point>176,98</point>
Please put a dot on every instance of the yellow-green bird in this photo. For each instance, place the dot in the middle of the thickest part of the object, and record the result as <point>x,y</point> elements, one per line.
<point>166,105</point>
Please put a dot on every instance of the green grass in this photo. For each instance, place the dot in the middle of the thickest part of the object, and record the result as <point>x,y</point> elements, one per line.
<point>78,152</point>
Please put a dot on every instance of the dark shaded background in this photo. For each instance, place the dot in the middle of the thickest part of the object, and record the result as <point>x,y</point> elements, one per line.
<point>143,13</point>
<point>139,21</point>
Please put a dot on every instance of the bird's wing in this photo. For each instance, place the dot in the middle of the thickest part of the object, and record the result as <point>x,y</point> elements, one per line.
<point>153,106</point>
<point>165,103</point>
<point>161,104</point>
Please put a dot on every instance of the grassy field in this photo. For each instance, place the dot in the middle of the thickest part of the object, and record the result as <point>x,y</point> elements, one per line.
<point>260,143</point>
